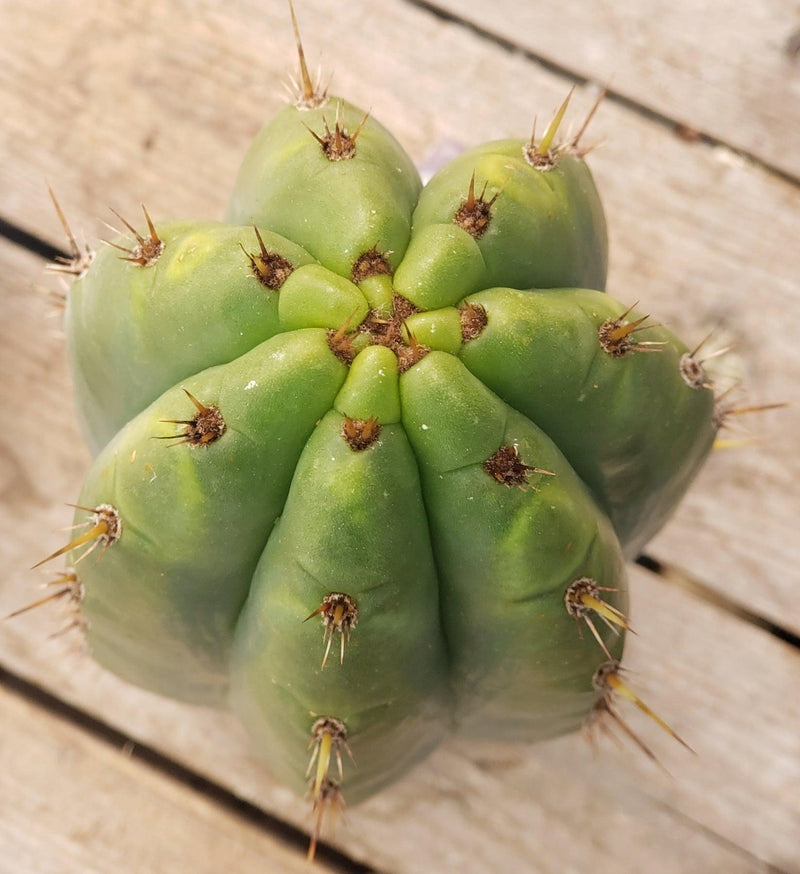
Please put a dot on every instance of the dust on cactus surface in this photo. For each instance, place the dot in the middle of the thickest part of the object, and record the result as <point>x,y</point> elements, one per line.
<point>384,489</point>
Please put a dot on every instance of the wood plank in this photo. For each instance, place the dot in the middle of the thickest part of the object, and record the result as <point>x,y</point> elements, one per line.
<point>729,71</point>
<point>702,239</point>
<point>732,690</point>
<point>73,804</point>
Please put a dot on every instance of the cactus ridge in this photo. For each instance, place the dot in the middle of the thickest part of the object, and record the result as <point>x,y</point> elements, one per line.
<point>412,413</point>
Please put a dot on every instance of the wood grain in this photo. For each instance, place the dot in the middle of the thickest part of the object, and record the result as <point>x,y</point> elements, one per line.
<point>726,70</point>
<point>72,804</point>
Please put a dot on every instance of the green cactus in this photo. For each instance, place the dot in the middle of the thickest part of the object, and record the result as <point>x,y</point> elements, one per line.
<point>410,416</point>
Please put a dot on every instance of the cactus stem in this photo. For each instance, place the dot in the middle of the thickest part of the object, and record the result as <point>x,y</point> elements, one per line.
<point>147,249</point>
<point>106,529</point>
<point>79,260</point>
<point>339,615</point>
<point>329,796</point>
<point>307,94</point>
<point>270,268</point>
<point>202,430</point>
<point>70,589</point>
<point>475,213</point>
<point>608,681</point>
<point>506,467</point>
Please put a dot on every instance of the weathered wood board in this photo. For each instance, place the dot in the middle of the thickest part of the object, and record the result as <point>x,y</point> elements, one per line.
<point>727,70</point>
<point>72,804</point>
<point>115,104</point>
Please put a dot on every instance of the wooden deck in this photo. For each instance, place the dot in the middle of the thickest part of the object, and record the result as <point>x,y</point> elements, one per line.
<point>699,166</point>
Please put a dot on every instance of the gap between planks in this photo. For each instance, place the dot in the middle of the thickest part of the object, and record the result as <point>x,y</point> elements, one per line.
<point>675,576</point>
<point>669,122</point>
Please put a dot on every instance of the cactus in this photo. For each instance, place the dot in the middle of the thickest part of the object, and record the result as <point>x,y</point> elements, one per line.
<point>370,456</point>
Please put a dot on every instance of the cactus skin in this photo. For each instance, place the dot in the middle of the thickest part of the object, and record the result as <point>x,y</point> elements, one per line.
<point>628,425</point>
<point>506,555</point>
<point>425,439</point>
<point>391,689</point>
<point>337,209</point>
<point>163,602</point>
<point>547,229</point>
<point>152,327</point>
